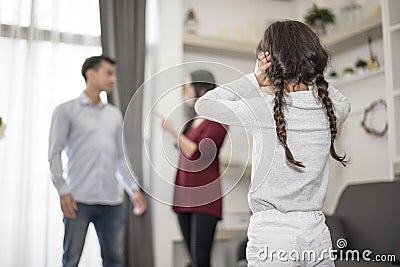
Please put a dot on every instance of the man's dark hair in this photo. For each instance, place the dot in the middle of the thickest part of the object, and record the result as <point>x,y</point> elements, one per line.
<point>94,63</point>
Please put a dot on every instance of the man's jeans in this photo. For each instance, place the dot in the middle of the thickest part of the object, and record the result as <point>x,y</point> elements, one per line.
<point>109,224</point>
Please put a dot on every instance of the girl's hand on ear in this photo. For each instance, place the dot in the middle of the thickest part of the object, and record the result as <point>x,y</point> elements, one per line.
<point>262,64</point>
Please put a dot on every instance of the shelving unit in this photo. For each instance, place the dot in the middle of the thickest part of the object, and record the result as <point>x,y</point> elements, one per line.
<point>391,40</point>
<point>356,34</point>
<point>217,45</point>
<point>357,77</point>
<point>396,166</point>
<point>396,92</point>
<point>386,26</point>
<point>395,27</point>
<point>337,40</point>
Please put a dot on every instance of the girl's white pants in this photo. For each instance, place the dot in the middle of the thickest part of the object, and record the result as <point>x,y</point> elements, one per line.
<point>298,238</point>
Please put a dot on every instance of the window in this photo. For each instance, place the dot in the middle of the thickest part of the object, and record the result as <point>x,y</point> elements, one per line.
<point>43,45</point>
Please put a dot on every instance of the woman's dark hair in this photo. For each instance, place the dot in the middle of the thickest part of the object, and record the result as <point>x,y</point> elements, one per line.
<point>202,81</point>
<point>297,57</point>
<point>94,63</point>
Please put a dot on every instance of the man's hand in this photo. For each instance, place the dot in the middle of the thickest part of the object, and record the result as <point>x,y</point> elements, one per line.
<point>262,64</point>
<point>68,206</point>
<point>138,202</point>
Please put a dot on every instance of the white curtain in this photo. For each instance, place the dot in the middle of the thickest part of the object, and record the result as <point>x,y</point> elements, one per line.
<point>43,44</point>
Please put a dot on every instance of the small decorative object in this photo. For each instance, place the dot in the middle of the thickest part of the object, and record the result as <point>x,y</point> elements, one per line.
<point>238,36</point>
<point>366,112</point>
<point>375,11</point>
<point>3,126</point>
<point>223,33</point>
<point>348,71</point>
<point>333,74</point>
<point>318,18</point>
<point>253,30</point>
<point>191,22</point>
<point>373,62</point>
<point>352,11</point>
<point>361,65</point>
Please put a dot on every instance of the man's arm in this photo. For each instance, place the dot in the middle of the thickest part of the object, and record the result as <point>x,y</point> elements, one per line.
<point>59,132</point>
<point>129,179</point>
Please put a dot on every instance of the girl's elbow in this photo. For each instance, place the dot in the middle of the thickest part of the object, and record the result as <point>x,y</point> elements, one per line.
<point>198,107</point>
<point>348,108</point>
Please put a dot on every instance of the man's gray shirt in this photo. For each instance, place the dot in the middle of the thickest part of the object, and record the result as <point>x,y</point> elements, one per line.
<point>91,136</point>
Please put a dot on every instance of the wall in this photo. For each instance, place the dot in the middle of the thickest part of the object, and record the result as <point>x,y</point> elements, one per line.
<point>238,18</point>
<point>342,18</point>
<point>369,154</point>
<point>166,53</point>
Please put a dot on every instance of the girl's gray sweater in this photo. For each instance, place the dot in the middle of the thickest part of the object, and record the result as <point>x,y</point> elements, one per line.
<point>275,183</point>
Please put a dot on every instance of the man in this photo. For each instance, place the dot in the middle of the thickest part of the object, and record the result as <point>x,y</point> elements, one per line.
<point>90,132</point>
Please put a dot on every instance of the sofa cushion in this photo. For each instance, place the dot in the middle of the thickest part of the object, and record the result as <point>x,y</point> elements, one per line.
<point>336,228</point>
<point>370,214</point>
<point>362,264</point>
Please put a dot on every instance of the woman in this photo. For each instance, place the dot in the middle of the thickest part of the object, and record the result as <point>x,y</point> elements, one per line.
<point>197,195</point>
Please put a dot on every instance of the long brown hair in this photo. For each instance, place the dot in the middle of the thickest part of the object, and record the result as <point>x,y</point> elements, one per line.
<point>297,57</point>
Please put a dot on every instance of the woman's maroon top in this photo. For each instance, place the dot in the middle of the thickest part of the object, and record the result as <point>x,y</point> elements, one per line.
<point>197,187</point>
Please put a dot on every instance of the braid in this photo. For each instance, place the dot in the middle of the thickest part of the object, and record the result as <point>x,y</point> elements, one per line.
<point>327,102</point>
<point>281,123</point>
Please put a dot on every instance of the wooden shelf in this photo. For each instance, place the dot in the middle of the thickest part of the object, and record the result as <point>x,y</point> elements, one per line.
<point>396,166</point>
<point>396,92</point>
<point>395,27</point>
<point>336,41</point>
<point>222,234</point>
<point>356,34</point>
<point>219,46</point>
<point>357,77</point>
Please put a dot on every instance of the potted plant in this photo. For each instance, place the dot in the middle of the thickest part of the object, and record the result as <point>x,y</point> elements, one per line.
<point>348,72</point>
<point>333,75</point>
<point>318,18</point>
<point>361,65</point>
<point>2,128</point>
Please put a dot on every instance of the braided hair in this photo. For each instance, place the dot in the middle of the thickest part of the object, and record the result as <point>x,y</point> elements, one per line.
<point>297,57</point>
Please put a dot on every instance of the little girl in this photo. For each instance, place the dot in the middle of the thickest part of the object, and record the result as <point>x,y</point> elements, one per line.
<point>290,170</point>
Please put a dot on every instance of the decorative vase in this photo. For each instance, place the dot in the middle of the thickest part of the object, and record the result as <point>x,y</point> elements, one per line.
<point>191,22</point>
<point>2,129</point>
<point>319,27</point>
